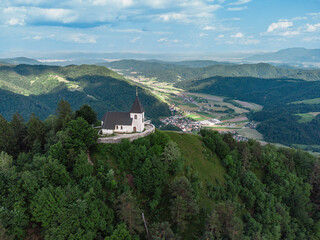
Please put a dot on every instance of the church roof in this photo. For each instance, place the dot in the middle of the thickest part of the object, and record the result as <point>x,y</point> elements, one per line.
<point>111,119</point>
<point>137,107</point>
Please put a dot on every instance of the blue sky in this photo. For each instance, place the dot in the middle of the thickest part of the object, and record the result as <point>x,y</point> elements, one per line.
<point>158,26</point>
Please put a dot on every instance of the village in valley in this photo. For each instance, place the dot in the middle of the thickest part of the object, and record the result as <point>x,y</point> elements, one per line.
<point>193,111</point>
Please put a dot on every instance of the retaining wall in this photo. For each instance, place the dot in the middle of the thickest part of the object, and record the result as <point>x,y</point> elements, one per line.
<point>117,139</point>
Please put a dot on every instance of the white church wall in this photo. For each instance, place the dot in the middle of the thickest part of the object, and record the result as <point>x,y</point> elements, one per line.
<point>123,129</point>
<point>138,121</point>
<point>107,131</point>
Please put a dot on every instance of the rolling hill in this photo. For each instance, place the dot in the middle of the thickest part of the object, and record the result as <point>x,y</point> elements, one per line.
<point>194,70</point>
<point>20,60</point>
<point>38,89</point>
<point>289,55</point>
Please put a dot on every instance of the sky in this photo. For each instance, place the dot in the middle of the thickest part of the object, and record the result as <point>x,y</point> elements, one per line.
<point>157,26</point>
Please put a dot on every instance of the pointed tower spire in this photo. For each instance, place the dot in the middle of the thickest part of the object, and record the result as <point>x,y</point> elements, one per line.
<point>137,107</point>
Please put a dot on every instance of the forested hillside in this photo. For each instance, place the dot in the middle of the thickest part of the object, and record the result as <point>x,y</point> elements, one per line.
<point>174,72</point>
<point>56,182</point>
<point>38,88</point>
<point>279,119</point>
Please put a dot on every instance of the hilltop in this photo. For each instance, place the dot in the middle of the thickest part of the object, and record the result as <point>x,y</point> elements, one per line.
<point>57,182</point>
<point>289,55</point>
<point>19,60</point>
<point>38,88</point>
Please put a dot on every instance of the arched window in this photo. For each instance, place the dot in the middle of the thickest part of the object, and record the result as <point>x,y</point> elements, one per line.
<point>135,117</point>
<point>121,127</point>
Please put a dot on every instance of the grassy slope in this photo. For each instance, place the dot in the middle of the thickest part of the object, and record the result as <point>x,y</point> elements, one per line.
<point>194,154</point>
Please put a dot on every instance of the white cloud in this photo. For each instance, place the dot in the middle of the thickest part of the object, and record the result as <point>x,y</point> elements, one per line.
<point>299,18</point>
<point>240,2</point>
<point>313,27</point>
<point>282,24</point>
<point>238,35</point>
<point>237,8</point>
<point>311,39</point>
<point>203,34</point>
<point>190,12</point>
<point>135,39</point>
<point>82,38</point>
<point>129,30</point>
<point>15,21</point>
<point>118,3</point>
<point>314,14</point>
<point>289,33</point>
<point>166,40</point>
<point>162,40</point>
<point>207,28</point>
<point>221,36</point>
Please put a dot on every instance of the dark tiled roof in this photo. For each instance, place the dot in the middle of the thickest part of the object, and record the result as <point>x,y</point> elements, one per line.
<point>111,119</point>
<point>137,107</point>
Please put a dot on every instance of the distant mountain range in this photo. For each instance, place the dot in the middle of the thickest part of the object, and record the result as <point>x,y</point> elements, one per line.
<point>289,55</point>
<point>287,58</point>
<point>194,70</point>
<point>19,60</point>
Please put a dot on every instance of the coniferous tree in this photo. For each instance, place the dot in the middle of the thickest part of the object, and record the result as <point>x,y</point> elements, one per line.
<point>129,212</point>
<point>183,205</point>
<point>87,113</point>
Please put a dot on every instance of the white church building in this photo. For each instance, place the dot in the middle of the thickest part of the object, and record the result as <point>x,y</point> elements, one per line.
<point>124,122</point>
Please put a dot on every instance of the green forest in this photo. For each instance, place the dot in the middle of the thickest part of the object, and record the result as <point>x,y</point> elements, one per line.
<point>56,182</point>
<point>278,119</point>
<point>37,89</point>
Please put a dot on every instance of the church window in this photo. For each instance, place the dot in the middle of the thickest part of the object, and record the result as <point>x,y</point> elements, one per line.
<point>135,116</point>
<point>121,127</point>
<point>116,127</point>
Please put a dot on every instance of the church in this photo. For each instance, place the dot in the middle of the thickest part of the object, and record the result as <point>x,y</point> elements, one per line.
<point>124,122</point>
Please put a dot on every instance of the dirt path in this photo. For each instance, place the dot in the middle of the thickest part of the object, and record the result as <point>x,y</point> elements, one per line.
<point>89,158</point>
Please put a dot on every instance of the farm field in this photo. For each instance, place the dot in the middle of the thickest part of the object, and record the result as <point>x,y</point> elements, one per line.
<point>309,101</point>
<point>307,117</point>
<point>250,133</point>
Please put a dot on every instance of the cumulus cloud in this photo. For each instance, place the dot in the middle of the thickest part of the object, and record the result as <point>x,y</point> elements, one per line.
<point>282,24</point>
<point>238,35</point>
<point>237,8</point>
<point>289,33</point>
<point>15,21</point>
<point>82,38</point>
<point>240,2</point>
<point>313,27</point>
<point>207,28</point>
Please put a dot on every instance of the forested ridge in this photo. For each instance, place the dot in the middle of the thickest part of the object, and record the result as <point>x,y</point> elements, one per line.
<point>38,88</point>
<point>56,182</point>
<point>197,70</point>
